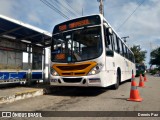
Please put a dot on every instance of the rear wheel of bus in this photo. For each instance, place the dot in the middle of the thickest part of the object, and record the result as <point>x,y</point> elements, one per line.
<point>116,85</point>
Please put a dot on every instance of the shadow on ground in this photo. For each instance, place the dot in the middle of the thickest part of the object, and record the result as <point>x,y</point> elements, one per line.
<point>76,91</point>
<point>66,91</point>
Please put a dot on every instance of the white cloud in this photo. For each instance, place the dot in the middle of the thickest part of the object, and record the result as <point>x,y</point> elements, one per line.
<point>143,26</point>
<point>6,7</point>
<point>34,18</point>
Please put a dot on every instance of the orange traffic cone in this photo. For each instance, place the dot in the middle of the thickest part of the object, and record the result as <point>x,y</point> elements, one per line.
<point>133,82</point>
<point>134,93</point>
<point>141,83</point>
<point>145,78</point>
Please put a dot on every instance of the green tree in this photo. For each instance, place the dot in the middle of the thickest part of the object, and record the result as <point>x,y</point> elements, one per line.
<point>138,53</point>
<point>155,57</point>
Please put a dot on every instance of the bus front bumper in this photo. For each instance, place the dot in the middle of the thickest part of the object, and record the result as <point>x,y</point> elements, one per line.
<point>92,80</point>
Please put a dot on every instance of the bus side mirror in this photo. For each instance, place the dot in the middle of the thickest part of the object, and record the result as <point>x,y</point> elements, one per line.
<point>110,53</point>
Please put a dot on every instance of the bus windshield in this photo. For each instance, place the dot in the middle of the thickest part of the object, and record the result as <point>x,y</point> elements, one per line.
<point>78,45</point>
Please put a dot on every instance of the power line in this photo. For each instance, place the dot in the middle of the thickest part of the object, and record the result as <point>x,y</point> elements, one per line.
<point>64,7</point>
<point>54,8</point>
<point>71,7</point>
<point>130,15</point>
<point>72,11</point>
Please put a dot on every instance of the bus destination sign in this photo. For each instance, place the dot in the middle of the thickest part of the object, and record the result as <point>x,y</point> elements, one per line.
<point>74,25</point>
<point>77,23</point>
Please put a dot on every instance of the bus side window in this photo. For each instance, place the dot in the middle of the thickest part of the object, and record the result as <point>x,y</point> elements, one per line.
<point>127,56</point>
<point>125,51</point>
<point>120,47</point>
<point>115,42</point>
<point>131,57</point>
<point>124,48</point>
<point>129,53</point>
<point>111,47</point>
<point>108,39</point>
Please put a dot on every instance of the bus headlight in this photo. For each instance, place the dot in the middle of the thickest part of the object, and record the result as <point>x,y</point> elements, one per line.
<point>53,72</point>
<point>96,69</point>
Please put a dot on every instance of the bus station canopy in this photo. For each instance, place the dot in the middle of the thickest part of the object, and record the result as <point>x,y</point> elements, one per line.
<point>21,32</point>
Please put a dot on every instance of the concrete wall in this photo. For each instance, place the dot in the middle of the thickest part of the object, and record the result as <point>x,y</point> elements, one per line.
<point>12,44</point>
<point>10,60</point>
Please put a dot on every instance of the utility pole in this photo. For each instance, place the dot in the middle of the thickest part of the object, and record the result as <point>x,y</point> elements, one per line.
<point>101,7</point>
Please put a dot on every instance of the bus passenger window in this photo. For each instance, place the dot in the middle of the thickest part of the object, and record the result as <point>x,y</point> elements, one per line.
<point>124,50</point>
<point>115,42</point>
<point>130,55</point>
<point>108,39</point>
<point>120,47</point>
<point>109,42</point>
<point>127,53</point>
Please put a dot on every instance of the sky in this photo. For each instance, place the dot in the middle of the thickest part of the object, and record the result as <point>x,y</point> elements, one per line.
<point>142,27</point>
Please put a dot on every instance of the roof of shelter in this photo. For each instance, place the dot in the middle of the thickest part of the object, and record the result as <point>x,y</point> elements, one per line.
<point>19,31</point>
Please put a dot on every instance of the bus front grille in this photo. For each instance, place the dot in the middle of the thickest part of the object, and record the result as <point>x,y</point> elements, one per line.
<point>75,67</point>
<point>72,80</point>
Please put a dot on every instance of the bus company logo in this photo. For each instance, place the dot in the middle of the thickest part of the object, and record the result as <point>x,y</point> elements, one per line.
<point>6,114</point>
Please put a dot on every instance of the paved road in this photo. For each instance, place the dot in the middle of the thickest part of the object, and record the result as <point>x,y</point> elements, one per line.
<point>93,99</point>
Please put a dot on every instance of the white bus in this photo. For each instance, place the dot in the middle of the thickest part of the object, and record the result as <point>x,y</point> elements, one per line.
<point>86,51</point>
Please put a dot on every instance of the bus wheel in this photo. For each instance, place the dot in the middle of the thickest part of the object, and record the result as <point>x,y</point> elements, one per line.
<point>115,86</point>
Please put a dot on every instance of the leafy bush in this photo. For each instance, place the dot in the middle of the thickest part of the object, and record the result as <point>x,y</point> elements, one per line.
<point>153,72</point>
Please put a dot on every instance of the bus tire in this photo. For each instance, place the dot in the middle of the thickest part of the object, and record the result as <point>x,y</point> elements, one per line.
<point>116,86</point>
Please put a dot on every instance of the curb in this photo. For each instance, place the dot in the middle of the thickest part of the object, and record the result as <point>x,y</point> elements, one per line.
<point>21,95</point>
